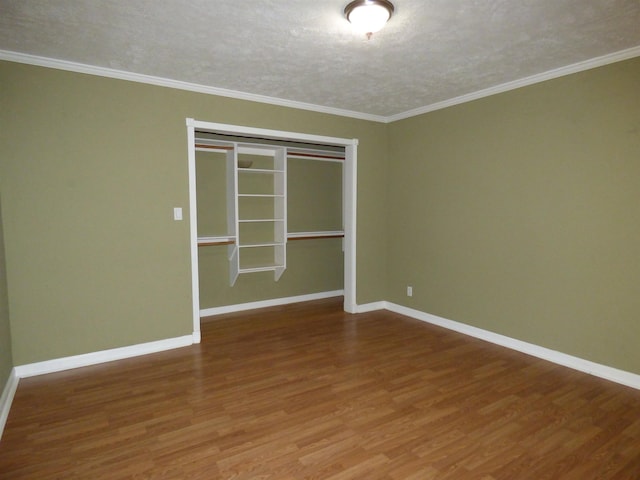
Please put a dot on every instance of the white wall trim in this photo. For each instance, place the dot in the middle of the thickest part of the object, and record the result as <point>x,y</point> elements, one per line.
<point>193,232</point>
<point>241,307</point>
<point>103,356</point>
<point>222,92</point>
<point>7,398</point>
<point>268,133</point>
<point>180,85</point>
<point>523,82</point>
<point>350,192</point>
<point>349,224</point>
<point>371,307</point>
<point>613,374</point>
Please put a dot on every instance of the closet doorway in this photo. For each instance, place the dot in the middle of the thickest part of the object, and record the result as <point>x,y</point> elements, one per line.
<point>238,147</point>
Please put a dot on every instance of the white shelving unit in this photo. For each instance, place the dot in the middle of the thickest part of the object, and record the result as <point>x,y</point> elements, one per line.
<point>257,251</point>
<point>256,179</point>
<point>232,211</point>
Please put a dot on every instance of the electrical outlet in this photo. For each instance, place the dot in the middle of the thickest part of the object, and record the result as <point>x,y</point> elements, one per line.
<point>409,291</point>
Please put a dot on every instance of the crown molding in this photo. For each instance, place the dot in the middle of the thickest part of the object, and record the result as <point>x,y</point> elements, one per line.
<point>180,85</point>
<point>194,87</point>
<point>523,82</point>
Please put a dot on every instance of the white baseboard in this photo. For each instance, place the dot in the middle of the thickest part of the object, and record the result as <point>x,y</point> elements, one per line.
<point>240,307</point>
<point>7,397</point>
<point>84,360</point>
<point>613,374</point>
<point>370,307</point>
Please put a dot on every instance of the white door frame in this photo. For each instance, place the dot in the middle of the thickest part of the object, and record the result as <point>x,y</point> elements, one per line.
<point>349,197</point>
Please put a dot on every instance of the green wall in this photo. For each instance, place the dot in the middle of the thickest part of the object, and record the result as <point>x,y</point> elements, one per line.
<point>6,360</point>
<point>517,213</point>
<point>312,266</point>
<point>520,214</point>
<point>90,171</point>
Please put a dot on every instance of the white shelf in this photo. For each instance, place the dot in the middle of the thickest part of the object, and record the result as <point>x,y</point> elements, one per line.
<point>260,244</point>
<point>212,150</point>
<point>261,220</point>
<point>216,240</point>
<point>208,145</point>
<point>225,240</point>
<point>325,233</point>
<point>258,170</point>
<point>260,268</point>
<point>260,195</point>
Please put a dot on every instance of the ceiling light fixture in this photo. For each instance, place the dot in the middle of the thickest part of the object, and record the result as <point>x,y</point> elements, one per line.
<point>369,16</point>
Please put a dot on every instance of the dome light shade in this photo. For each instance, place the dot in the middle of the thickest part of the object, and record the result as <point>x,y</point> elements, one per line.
<point>368,16</point>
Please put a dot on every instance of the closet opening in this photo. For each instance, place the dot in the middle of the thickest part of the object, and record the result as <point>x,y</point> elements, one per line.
<point>271,213</point>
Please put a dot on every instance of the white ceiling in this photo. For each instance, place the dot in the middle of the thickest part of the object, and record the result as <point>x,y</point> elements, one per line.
<point>305,51</point>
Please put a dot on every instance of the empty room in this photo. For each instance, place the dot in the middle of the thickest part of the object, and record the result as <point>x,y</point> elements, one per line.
<point>320,240</point>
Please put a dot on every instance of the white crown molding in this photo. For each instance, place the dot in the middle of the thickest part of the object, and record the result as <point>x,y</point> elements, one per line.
<point>194,87</point>
<point>103,356</point>
<point>241,307</point>
<point>603,371</point>
<point>7,398</point>
<point>180,85</point>
<point>523,82</point>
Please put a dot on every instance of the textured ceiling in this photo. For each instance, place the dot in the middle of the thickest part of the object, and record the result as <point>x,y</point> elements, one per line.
<point>305,51</point>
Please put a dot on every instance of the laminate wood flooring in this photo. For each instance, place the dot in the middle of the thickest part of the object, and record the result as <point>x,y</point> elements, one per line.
<point>306,391</point>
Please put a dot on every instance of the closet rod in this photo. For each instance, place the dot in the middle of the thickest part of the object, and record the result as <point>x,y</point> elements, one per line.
<point>290,152</point>
<point>214,147</point>
<point>314,155</point>
<point>215,242</point>
<point>313,235</point>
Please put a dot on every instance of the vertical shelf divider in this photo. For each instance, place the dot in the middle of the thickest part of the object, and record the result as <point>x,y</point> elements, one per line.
<point>232,213</point>
<point>280,212</point>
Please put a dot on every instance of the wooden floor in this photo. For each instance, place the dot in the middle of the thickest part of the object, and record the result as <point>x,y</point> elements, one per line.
<point>308,392</point>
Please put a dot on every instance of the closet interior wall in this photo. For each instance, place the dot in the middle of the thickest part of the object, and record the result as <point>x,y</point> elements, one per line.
<point>311,222</point>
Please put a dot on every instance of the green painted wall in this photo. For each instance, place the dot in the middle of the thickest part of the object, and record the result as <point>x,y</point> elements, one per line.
<point>520,214</point>
<point>90,171</point>
<point>6,360</point>
<point>516,213</point>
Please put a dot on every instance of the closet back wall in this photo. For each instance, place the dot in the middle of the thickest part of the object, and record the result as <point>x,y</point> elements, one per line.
<point>90,171</point>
